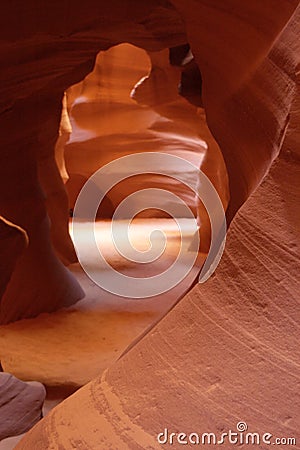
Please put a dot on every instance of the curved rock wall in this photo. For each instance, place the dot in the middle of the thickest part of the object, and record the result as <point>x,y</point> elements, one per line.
<point>130,104</point>
<point>13,243</point>
<point>227,350</point>
<point>246,92</point>
<point>44,51</point>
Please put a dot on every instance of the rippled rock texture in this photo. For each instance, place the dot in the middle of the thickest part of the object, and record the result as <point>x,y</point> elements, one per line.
<point>229,350</point>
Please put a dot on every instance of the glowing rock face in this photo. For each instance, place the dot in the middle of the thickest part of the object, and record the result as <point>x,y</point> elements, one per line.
<point>229,349</point>
<point>130,104</point>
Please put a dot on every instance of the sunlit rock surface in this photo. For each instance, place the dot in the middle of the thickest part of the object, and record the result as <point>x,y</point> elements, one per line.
<point>229,350</point>
<point>130,104</point>
<point>77,344</point>
<point>63,54</point>
<point>43,57</point>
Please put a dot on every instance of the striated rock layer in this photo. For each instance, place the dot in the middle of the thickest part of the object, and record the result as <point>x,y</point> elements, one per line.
<point>46,50</point>
<point>228,352</point>
<point>235,348</point>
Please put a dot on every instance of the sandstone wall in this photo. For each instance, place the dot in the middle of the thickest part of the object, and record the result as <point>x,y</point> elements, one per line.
<point>229,350</point>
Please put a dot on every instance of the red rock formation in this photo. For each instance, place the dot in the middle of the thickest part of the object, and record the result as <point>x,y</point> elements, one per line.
<point>13,242</point>
<point>133,95</point>
<point>227,353</point>
<point>227,350</point>
<point>43,57</point>
<point>22,202</point>
<point>242,77</point>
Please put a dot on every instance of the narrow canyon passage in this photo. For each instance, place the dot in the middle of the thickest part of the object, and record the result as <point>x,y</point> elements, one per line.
<point>191,85</point>
<point>67,349</point>
<point>128,104</point>
<point>72,346</point>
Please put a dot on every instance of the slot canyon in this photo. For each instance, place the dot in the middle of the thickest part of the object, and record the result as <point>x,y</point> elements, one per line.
<point>134,135</point>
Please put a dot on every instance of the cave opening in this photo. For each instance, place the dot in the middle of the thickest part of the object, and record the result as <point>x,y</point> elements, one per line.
<point>138,102</point>
<point>133,102</point>
<point>227,349</point>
